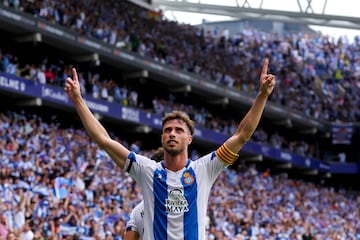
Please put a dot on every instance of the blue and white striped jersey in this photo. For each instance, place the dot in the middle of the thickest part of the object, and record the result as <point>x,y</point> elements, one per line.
<point>175,203</point>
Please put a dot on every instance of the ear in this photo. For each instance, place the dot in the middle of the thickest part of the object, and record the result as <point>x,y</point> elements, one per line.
<point>161,138</point>
<point>190,139</point>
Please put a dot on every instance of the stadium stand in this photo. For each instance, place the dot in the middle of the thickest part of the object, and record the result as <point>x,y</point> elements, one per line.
<point>55,184</point>
<point>298,59</point>
<point>58,185</point>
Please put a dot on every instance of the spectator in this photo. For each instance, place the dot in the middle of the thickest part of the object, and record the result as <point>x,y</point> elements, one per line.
<point>4,227</point>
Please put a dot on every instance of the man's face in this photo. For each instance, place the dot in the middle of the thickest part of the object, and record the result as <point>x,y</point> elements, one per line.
<point>175,137</point>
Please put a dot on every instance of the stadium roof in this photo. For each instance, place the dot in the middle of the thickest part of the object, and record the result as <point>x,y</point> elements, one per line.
<point>328,13</point>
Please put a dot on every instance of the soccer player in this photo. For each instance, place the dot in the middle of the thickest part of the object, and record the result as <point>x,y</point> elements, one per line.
<point>135,226</point>
<point>175,190</point>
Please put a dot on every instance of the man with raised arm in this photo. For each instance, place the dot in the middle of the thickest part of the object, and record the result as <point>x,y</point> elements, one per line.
<point>175,190</point>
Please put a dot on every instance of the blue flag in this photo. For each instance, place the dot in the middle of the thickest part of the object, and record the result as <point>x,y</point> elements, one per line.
<point>60,187</point>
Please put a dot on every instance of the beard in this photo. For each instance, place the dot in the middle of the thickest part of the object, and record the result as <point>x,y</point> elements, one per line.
<point>172,151</point>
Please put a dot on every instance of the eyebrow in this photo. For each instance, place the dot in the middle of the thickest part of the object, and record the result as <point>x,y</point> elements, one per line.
<point>176,128</point>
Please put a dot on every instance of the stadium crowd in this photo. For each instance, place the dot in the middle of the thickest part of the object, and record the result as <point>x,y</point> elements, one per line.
<point>57,184</point>
<point>99,87</point>
<point>318,75</point>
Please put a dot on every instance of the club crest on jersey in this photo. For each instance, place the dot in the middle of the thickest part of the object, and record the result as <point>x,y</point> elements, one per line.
<point>188,178</point>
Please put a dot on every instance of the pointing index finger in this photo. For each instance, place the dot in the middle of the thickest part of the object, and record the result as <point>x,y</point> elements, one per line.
<point>74,73</point>
<point>265,67</point>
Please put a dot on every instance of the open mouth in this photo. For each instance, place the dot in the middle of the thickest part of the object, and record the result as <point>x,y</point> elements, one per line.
<point>172,142</point>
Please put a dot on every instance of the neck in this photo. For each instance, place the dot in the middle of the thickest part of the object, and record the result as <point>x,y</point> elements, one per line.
<point>175,163</point>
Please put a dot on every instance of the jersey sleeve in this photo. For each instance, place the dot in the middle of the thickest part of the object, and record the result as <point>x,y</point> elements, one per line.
<point>131,224</point>
<point>138,165</point>
<point>211,164</point>
<point>135,222</point>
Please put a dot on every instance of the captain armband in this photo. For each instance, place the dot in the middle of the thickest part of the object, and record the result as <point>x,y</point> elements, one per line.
<point>226,155</point>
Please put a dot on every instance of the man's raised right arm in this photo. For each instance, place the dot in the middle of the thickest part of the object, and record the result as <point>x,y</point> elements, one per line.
<point>93,127</point>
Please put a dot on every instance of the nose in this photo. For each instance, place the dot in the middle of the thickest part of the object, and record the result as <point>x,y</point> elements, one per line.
<point>172,135</point>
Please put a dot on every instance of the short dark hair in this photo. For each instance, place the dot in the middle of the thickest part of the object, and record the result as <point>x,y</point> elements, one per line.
<point>158,154</point>
<point>181,116</point>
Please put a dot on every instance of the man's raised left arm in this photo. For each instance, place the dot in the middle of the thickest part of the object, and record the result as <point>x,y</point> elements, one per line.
<point>228,152</point>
